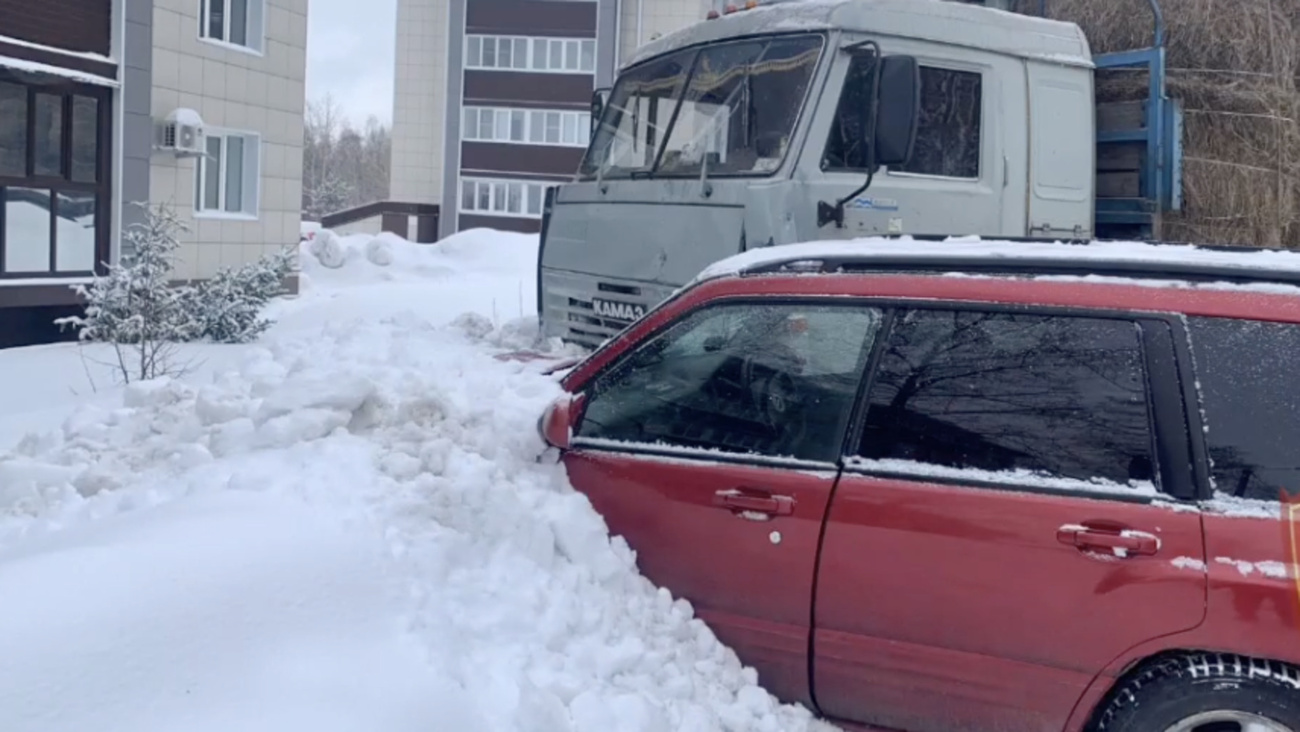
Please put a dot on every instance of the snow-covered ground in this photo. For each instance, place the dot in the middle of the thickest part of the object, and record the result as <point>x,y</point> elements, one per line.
<point>339,528</point>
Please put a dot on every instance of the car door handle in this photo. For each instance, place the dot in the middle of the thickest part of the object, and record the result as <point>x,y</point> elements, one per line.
<point>754,501</point>
<point>1121,542</point>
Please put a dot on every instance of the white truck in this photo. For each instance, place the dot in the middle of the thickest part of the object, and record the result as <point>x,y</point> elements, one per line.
<point>820,119</point>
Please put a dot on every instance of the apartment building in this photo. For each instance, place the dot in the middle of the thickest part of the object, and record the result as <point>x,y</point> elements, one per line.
<point>493,98</point>
<point>84,87</point>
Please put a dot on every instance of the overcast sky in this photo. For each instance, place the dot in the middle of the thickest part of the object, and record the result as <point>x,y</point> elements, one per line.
<point>350,55</point>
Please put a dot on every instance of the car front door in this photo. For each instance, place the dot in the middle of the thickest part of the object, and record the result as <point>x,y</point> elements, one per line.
<point>712,447</point>
<point>997,537</point>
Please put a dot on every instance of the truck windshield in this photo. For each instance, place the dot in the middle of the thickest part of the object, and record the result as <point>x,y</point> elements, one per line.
<point>736,106</point>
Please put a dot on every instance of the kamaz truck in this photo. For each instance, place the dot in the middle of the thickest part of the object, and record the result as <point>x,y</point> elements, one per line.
<point>822,119</point>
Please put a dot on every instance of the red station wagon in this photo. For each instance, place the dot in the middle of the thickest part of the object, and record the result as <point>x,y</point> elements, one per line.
<point>970,486</point>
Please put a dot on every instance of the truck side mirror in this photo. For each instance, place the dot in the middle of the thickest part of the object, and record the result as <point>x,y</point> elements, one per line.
<point>898,110</point>
<point>599,98</point>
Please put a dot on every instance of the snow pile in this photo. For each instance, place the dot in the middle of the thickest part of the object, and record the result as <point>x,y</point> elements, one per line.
<point>357,258</point>
<point>344,530</point>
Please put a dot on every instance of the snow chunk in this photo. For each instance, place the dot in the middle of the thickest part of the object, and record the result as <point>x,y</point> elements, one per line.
<point>1189,563</point>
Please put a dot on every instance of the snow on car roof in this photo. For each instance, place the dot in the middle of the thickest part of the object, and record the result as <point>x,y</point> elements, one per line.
<point>1175,261</point>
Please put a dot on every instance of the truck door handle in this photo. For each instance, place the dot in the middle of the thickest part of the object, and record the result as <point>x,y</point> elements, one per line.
<point>738,499</point>
<point>1121,542</point>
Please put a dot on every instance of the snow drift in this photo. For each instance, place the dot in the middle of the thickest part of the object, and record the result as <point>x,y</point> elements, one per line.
<point>343,530</point>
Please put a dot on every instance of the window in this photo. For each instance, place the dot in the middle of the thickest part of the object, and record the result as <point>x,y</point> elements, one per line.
<point>489,124</point>
<point>516,53</point>
<point>948,135</point>
<point>1251,405</point>
<point>772,380</point>
<point>502,198</point>
<point>226,179</point>
<point>1032,398</point>
<point>741,102</point>
<point>51,187</point>
<point>236,22</point>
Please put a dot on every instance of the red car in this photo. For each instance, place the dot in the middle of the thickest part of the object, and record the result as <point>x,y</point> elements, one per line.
<point>970,486</point>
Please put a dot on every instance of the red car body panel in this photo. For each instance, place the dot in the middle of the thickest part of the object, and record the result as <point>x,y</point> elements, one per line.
<point>961,604</point>
<point>990,667</point>
<point>754,593</point>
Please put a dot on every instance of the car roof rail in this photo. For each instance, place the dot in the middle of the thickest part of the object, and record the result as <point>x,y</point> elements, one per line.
<point>1202,263</point>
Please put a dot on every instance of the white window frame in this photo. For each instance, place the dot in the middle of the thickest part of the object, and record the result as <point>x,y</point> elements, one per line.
<point>254,31</point>
<point>498,195</point>
<point>250,189</point>
<point>578,121</point>
<point>537,50</point>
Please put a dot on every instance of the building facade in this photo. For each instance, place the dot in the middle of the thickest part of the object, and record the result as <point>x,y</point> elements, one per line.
<point>84,86</point>
<point>492,98</point>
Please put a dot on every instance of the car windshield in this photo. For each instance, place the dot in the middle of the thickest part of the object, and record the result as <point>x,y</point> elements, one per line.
<point>733,105</point>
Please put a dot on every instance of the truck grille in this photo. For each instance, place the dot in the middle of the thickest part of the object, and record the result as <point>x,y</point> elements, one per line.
<point>571,312</point>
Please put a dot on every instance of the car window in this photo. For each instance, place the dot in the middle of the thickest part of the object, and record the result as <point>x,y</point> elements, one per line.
<point>773,380</point>
<point>1251,404</point>
<point>1018,397</point>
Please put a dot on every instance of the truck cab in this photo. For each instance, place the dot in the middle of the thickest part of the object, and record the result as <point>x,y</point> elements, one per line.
<point>740,131</point>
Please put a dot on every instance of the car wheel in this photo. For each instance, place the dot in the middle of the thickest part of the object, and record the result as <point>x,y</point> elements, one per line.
<point>1206,692</point>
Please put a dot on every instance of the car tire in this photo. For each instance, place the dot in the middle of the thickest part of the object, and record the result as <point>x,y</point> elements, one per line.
<point>1206,692</point>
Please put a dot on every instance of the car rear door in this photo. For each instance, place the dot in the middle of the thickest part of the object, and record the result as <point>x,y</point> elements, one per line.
<point>1003,527</point>
<point>712,449</point>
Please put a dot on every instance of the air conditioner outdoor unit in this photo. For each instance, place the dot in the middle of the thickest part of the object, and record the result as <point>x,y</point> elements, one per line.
<point>182,133</point>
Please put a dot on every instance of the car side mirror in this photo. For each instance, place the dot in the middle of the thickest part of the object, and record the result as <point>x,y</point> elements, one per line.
<point>555,426</point>
<point>599,98</point>
<point>898,110</point>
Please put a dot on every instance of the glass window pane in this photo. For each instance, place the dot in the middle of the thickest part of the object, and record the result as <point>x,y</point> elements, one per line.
<point>517,125</point>
<point>555,55</point>
<point>570,132</point>
<point>467,195</point>
<point>498,196</point>
<point>1252,409</point>
<point>489,52</point>
<point>948,135</point>
<point>217,19</point>
<point>514,204</point>
<point>75,232</point>
<point>539,54</point>
<point>505,59</point>
<point>13,130</point>
<point>27,230</point>
<point>85,139</point>
<point>553,127</point>
<point>1015,394</point>
<point>239,22</point>
<point>212,176</point>
<point>804,361</point>
<point>485,119</point>
<point>534,199</point>
<point>484,197</point>
<point>502,127</point>
<point>588,55</point>
<point>235,174</point>
<point>620,146</point>
<point>571,55</point>
<point>473,52</point>
<point>521,53</point>
<point>536,126</point>
<point>49,135</point>
<point>470,124</point>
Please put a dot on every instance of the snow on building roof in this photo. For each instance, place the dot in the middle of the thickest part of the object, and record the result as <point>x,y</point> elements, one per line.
<point>1174,260</point>
<point>941,21</point>
<point>70,74</point>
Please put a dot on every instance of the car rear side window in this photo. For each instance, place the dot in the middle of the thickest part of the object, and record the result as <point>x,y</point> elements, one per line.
<point>1013,397</point>
<point>773,380</point>
<point>1246,373</point>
